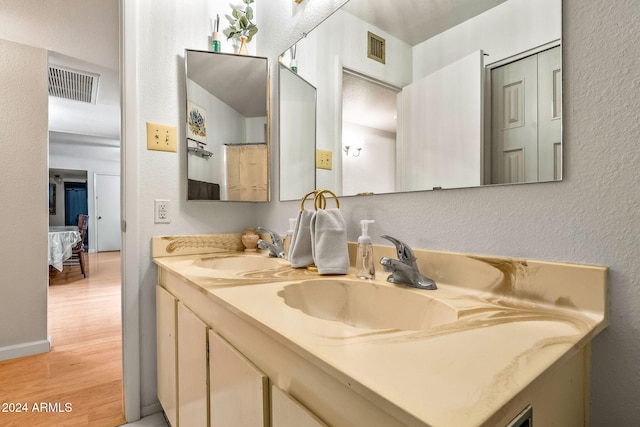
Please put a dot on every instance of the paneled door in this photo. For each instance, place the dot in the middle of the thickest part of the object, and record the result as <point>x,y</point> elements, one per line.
<point>526,119</point>
<point>514,122</point>
<point>107,194</point>
<point>550,114</point>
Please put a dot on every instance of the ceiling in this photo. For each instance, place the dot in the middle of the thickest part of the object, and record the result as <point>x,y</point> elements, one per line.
<point>244,79</point>
<point>82,35</point>
<point>436,16</point>
<point>369,104</point>
<point>87,40</point>
<point>97,122</point>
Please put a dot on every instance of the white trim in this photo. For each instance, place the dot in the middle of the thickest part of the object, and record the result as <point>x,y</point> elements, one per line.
<point>25,349</point>
<point>130,253</point>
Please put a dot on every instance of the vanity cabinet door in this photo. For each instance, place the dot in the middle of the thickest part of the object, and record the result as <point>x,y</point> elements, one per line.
<point>239,391</point>
<point>192,369</point>
<point>167,353</point>
<point>288,412</point>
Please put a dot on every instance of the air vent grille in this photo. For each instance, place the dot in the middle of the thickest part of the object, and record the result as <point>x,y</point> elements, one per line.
<point>375,47</point>
<point>75,85</point>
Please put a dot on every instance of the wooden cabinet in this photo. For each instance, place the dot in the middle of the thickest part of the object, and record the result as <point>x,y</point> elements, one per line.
<point>239,392</point>
<point>288,412</point>
<point>193,409</point>
<point>167,353</point>
<point>202,379</point>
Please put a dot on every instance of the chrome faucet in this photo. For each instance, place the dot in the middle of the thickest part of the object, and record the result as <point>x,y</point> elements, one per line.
<point>404,270</point>
<point>276,249</point>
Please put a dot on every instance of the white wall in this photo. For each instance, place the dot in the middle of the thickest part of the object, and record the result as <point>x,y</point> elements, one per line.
<point>24,218</point>
<point>512,27</point>
<point>102,159</point>
<point>440,127</point>
<point>342,42</point>
<point>156,34</point>
<point>232,130</point>
<point>591,217</point>
<point>373,171</point>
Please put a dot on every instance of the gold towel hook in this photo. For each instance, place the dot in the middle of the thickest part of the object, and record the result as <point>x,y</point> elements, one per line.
<point>304,199</point>
<point>323,200</point>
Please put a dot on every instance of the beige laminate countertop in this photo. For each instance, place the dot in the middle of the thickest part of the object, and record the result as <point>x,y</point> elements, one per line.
<point>454,374</point>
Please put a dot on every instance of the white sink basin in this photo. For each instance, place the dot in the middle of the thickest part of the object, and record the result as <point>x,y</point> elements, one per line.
<point>368,305</point>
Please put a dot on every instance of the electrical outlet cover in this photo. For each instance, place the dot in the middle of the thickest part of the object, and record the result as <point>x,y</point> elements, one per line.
<point>161,211</point>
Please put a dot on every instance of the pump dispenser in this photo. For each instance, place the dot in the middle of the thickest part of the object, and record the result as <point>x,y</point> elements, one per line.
<point>365,268</point>
<point>286,241</point>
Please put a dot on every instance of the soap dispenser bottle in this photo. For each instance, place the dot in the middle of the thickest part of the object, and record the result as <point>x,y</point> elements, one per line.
<point>365,268</point>
<point>286,241</point>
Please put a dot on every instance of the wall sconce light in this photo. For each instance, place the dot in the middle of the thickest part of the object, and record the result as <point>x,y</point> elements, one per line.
<point>354,147</point>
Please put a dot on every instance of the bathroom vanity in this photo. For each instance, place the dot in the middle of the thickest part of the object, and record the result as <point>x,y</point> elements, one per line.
<point>247,340</point>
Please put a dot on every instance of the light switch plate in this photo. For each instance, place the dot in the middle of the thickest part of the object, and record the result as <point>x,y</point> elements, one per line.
<point>323,159</point>
<point>161,137</point>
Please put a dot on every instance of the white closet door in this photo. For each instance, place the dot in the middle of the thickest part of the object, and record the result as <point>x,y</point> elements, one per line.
<point>515,122</point>
<point>550,114</point>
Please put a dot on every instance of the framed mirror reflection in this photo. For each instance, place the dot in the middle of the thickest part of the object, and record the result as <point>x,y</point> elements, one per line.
<point>414,96</point>
<point>227,137</point>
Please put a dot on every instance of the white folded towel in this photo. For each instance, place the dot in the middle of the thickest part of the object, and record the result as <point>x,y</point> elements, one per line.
<point>329,242</point>
<point>300,252</point>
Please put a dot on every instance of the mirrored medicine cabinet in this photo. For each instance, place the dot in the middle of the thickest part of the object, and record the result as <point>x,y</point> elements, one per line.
<point>412,95</point>
<point>227,115</point>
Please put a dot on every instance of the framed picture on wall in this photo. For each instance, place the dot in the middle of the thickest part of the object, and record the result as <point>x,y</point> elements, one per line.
<point>52,199</point>
<point>196,123</point>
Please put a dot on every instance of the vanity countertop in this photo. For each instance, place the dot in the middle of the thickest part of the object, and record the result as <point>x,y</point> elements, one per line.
<point>458,373</point>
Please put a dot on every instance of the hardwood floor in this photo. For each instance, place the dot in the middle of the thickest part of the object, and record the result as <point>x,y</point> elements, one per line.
<point>79,382</point>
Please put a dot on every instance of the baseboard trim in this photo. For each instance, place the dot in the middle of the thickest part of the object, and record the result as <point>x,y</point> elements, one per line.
<point>25,349</point>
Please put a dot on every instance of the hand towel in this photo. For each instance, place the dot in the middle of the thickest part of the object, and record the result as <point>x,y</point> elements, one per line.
<point>300,252</point>
<point>329,242</point>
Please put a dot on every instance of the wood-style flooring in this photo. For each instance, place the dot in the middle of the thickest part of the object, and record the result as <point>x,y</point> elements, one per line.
<point>79,382</point>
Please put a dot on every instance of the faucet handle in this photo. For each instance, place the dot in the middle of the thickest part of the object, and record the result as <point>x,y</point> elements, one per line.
<point>405,253</point>
<point>275,237</point>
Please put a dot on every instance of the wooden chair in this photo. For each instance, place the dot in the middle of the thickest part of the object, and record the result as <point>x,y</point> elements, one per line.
<point>78,252</point>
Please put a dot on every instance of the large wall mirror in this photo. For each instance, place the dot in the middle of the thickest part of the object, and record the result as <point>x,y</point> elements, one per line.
<point>411,95</point>
<point>227,127</point>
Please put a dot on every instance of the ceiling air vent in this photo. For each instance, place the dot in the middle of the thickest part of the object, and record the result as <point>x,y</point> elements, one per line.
<point>71,84</point>
<point>375,47</point>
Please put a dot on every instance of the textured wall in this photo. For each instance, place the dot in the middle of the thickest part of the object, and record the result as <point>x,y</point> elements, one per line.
<point>24,217</point>
<point>592,216</point>
<point>156,93</point>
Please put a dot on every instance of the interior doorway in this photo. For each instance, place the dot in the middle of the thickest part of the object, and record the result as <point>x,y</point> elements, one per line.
<point>75,201</point>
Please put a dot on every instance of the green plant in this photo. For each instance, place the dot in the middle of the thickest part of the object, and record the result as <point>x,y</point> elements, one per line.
<point>240,24</point>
